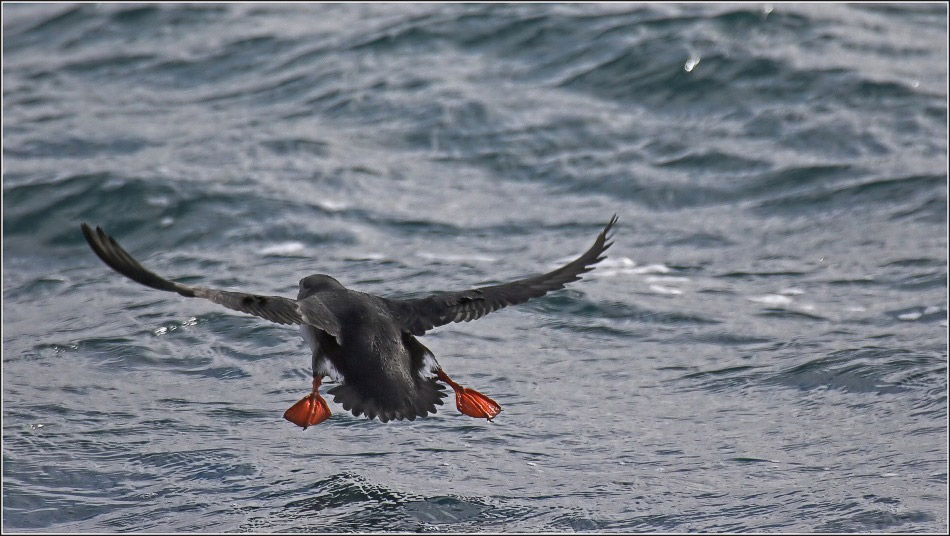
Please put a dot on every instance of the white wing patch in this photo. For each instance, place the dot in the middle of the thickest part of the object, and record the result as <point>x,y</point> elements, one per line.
<point>324,366</point>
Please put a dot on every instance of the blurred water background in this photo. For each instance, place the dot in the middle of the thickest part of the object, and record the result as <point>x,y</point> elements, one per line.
<point>765,349</point>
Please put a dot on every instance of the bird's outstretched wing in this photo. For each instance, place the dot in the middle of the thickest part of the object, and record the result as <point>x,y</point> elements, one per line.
<point>274,308</point>
<point>420,315</point>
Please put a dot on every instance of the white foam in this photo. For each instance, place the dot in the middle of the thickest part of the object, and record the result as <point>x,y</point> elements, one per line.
<point>283,248</point>
<point>367,257</point>
<point>332,206</point>
<point>659,289</point>
<point>666,279</point>
<point>772,299</point>
<point>691,63</point>
<point>609,262</point>
<point>649,269</point>
<point>624,265</point>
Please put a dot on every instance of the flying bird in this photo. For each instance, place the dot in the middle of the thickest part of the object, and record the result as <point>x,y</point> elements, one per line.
<point>368,343</point>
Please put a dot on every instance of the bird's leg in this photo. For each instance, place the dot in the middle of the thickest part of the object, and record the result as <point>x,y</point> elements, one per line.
<point>310,410</point>
<point>470,401</point>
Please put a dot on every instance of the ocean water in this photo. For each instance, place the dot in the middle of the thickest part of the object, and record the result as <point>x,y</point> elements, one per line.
<point>765,349</point>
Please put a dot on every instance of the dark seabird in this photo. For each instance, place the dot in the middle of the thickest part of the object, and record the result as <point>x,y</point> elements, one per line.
<point>366,342</point>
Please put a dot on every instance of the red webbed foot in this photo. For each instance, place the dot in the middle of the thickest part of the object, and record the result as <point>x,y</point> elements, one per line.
<point>471,402</point>
<point>309,410</point>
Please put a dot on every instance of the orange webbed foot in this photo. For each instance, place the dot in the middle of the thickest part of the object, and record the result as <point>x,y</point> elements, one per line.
<point>475,404</point>
<point>309,410</point>
<point>471,402</point>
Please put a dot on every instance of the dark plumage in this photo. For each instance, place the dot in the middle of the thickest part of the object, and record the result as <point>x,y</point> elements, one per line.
<point>368,342</point>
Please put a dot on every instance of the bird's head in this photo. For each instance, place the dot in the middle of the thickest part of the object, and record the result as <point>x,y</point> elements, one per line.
<point>312,284</point>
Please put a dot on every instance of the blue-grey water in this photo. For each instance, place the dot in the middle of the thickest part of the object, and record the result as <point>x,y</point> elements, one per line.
<point>765,349</point>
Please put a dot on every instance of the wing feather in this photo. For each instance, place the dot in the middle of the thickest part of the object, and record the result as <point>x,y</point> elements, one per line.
<point>420,315</point>
<point>274,308</point>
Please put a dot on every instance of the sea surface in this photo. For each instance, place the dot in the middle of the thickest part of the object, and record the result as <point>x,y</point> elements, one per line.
<point>764,349</point>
